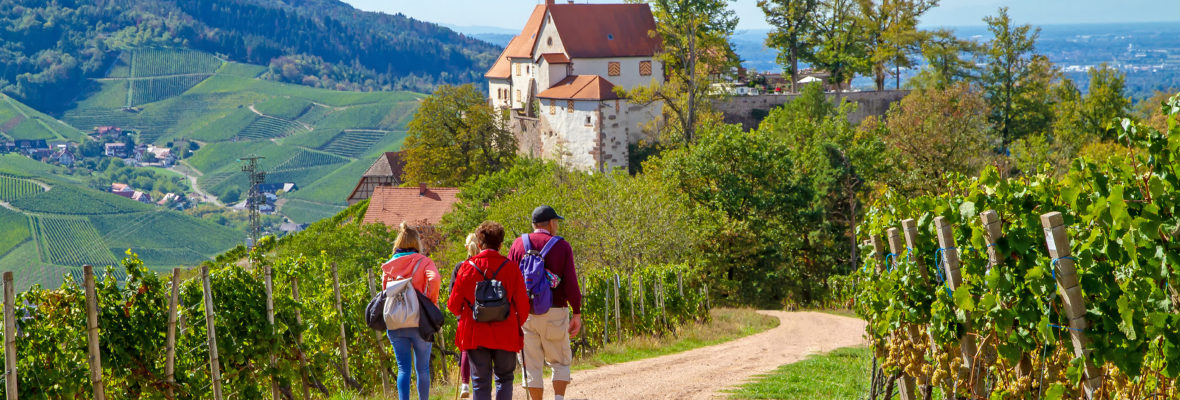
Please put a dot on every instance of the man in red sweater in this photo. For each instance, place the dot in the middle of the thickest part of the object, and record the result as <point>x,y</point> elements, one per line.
<point>547,336</point>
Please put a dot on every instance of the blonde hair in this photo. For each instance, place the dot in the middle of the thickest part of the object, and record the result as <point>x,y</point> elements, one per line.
<point>472,247</point>
<point>407,238</point>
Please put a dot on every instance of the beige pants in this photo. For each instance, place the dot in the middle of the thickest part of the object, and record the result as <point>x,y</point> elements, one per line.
<point>547,341</point>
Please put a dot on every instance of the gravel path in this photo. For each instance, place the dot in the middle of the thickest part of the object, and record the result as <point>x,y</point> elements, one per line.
<point>706,372</point>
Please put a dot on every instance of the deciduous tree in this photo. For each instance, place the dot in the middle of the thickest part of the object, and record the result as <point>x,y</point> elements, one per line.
<point>890,33</point>
<point>841,51</point>
<point>793,34</point>
<point>454,136</point>
<point>1013,75</point>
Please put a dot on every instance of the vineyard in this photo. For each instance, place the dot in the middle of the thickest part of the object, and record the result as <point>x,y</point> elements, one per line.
<point>151,90</point>
<point>264,128</point>
<point>69,200</point>
<point>353,142</point>
<point>12,188</point>
<point>162,62</point>
<point>70,241</point>
<point>318,344</point>
<point>285,107</point>
<point>306,159</point>
<point>1040,286</point>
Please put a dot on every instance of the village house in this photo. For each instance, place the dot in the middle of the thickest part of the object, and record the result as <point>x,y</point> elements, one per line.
<point>385,171</point>
<point>142,197</point>
<point>118,150</point>
<point>560,75</point>
<point>106,132</point>
<point>273,188</point>
<point>64,156</point>
<point>420,207</point>
<point>159,155</point>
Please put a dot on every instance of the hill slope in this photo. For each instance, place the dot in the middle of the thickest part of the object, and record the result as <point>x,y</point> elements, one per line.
<point>51,49</point>
<point>322,140</point>
<point>51,226</point>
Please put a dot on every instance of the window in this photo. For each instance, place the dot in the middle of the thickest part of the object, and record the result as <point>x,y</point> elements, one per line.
<point>613,69</point>
<point>645,68</point>
<point>549,41</point>
<point>552,107</point>
<point>570,105</point>
<point>587,120</point>
<point>517,69</point>
<point>518,98</point>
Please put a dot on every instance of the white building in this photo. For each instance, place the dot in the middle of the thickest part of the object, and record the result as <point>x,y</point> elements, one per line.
<point>560,74</point>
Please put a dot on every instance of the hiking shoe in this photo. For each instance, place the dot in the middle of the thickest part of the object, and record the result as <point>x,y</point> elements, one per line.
<point>464,391</point>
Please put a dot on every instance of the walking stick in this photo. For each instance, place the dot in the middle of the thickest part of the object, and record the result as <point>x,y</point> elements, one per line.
<point>524,366</point>
<point>458,374</point>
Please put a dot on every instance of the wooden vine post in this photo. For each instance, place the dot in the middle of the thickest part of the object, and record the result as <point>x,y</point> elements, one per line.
<point>299,339</point>
<point>92,334</point>
<point>878,253</point>
<point>908,386</point>
<point>214,367</point>
<point>642,294</point>
<point>340,313</point>
<point>1057,241</point>
<point>909,229</point>
<point>993,232</point>
<point>954,278</point>
<point>270,318</point>
<point>10,388</point>
<point>380,349</point>
<point>618,323</point>
<point>170,358</point>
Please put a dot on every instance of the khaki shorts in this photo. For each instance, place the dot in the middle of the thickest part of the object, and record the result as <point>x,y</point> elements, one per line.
<point>547,341</point>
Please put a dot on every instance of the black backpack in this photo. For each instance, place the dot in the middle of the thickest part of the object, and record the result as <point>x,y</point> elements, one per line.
<point>491,301</point>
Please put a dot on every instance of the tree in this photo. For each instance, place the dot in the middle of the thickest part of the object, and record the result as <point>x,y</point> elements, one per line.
<point>454,136</point>
<point>934,133</point>
<point>696,35</point>
<point>1104,101</point>
<point>1010,61</point>
<point>890,32</point>
<point>945,61</point>
<point>841,50</point>
<point>793,31</point>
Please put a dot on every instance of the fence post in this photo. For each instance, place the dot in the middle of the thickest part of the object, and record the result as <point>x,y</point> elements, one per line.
<point>381,358</point>
<point>214,367</point>
<point>618,325</point>
<point>340,313</point>
<point>910,229</point>
<point>299,338</point>
<point>170,358</point>
<point>680,282</point>
<point>631,295</point>
<point>954,278</point>
<point>993,232</point>
<point>1057,240</point>
<point>92,334</point>
<point>907,385</point>
<point>878,253</point>
<point>642,300</point>
<point>270,318</point>
<point>10,388</point>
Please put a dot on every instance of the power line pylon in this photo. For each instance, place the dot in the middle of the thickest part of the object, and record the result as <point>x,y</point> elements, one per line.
<point>254,198</point>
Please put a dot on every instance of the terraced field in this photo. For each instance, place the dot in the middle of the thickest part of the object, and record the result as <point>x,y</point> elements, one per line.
<point>71,241</point>
<point>308,159</point>
<point>353,142</point>
<point>21,122</point>
<point>72,200</point>
<point>15,232</point>
<point>164,61</point>
<point>12,188</point>
<point>263,128</point>
<point>151,90</point>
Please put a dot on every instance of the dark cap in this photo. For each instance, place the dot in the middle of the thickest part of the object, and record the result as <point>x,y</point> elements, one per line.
<point>544,214</point>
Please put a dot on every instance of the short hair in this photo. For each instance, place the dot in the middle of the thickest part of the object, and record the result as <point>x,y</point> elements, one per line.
<point>490,235</point>
<point>472,247</point>
<point>407,238</point>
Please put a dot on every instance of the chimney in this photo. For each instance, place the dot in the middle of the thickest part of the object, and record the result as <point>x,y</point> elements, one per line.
<point>548,2</point>
<point>421,188</point>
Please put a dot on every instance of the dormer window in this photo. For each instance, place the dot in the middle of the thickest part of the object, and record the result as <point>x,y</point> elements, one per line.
<point>610,36</point>
<point>549,41</point>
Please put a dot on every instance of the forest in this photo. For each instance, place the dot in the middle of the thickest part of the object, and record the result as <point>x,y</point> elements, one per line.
<point>48,49</point>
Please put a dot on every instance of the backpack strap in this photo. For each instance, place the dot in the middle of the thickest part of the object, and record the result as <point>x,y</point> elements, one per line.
<point>414,272</point>
<point>549,245</point>
<point>528,243</point>
<point>485,276</point>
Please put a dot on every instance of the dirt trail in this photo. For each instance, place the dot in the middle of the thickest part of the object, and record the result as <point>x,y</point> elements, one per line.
<point>706,372</point>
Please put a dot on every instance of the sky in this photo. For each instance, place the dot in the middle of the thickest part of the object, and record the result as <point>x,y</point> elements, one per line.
<point>511,14</point>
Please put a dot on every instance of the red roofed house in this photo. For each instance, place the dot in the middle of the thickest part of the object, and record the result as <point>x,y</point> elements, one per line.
<point>570,58</point>
<point>393,205</point>
<point>385,171</point>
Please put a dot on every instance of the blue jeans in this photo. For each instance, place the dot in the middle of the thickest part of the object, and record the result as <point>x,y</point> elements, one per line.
<point>411,350</point>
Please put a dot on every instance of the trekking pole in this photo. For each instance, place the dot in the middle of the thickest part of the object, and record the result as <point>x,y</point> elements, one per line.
<point>458,372</point>
<point>524,367</point>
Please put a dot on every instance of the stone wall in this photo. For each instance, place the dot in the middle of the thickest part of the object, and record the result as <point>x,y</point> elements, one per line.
<point>750,110</point>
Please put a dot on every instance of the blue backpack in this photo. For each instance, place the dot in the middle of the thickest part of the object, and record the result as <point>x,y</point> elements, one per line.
<point>538,280</point>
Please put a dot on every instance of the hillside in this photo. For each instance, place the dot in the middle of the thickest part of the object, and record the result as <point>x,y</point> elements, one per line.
<point>51,226</point>
<point>50,50</point>
<point>319,139</point>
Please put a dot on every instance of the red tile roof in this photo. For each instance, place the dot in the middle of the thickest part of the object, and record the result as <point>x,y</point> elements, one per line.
<point>606,30</point>
<point>502,69</point>
<point>522,45</point>
<point>581,87</point>
<point>387,164</point>
<point>556,58</point>
<point>394,205</point>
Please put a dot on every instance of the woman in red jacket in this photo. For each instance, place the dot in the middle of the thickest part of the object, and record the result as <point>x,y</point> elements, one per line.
<point>491,346</point>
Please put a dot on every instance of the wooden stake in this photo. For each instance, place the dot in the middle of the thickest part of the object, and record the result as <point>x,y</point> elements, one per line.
<point>878,253</point>
<point>992,232</point>
<point>340,312</point>
<point>10,388</point>
<point>910,229</point>
<point>631,295</point>
<point>680,283</point>
<point>1057,240</point>
<point>214,365</point>
<point>908,386</point>
<point>642,294</point>
<point>618,325</point>
<point>954,278</point>
<point>92,334</point>
<point>270,318</point>
<point>299,339</point>
<point>170,358</point>
<point>381,359</point>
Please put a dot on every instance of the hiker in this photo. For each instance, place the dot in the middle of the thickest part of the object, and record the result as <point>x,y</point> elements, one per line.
<point>409,347</point>
<point>491,303</point>
<point>464,367</point>
<point>547,333</point>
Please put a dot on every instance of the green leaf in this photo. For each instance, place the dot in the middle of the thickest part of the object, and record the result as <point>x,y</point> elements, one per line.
<point>1055,392</point>
<point>963,299</point>
<point>1126,317</point>
<point>967,210</point>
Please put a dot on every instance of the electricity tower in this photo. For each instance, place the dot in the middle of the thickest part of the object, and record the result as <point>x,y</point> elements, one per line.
<point>254,198</point>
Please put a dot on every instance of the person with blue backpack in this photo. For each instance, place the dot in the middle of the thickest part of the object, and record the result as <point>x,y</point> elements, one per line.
<point>547,264</point>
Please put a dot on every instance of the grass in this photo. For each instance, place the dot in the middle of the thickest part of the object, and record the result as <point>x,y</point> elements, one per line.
<point>14,232</point>
<point>18,121</point>
<point>726,324</point>
<point>840,374</point>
